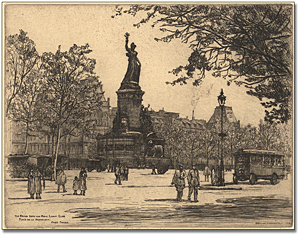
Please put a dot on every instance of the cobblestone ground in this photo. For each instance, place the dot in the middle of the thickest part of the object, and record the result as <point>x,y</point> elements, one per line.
<point>148,201</point>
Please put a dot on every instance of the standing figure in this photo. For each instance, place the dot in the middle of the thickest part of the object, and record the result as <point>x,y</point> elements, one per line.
<point>122,169</point>
<point>153,170</point>
<point>194,183</point>
<point>286,172</point>
<point>82,181</point>
<point>34,184</point>
<point>206,173</point>
<point>61,180</point>
<point>118,174</point>
<point>126,172</point>
<point>214,176</point>
<point>76,185</point>
<point>132,76</point>
<point>179,181</point>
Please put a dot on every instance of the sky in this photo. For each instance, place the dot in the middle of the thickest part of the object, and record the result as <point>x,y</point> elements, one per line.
<point>51,25</point>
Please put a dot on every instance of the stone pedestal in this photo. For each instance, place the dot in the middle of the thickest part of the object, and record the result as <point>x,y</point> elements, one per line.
<point>129,105</point>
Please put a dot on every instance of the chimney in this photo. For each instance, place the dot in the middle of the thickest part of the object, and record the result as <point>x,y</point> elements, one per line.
<point>193,115</point>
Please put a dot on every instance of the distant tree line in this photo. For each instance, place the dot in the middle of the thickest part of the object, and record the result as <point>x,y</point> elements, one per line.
<point>188,146</point>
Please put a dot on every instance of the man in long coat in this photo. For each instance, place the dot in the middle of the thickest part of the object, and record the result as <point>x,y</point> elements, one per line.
<point>194,183</point>
<point>206,173</point>
<point>61,180</point>
<point>126,172</point>
<point>34,184</point>
<point>118,174</point>
<point>179,182</point>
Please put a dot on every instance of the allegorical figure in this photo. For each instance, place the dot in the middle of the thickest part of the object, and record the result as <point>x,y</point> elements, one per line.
<point>194,183</point>
<point>132,76</point>
<point>179,182</point>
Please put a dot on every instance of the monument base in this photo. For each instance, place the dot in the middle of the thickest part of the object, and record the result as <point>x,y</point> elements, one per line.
<point>129,108</point>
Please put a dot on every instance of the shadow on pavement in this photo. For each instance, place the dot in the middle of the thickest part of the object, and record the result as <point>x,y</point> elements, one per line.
<point>247,209</point>
<point>146,186</point>
<point>19,198</point>
<point>265,182</point>
<point>161,200</point>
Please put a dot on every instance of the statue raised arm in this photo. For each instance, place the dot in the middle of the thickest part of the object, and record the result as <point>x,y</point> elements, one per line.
<point>132,76</point>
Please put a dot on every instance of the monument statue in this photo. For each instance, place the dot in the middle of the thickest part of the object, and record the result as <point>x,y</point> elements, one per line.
<point>132,76</point>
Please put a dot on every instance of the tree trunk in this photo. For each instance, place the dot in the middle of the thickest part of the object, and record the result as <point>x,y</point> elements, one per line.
<point>56,153</point>
<point>26,139</point>
<point>206,152</point>
<point>48,141</point>
<point>52,147</point>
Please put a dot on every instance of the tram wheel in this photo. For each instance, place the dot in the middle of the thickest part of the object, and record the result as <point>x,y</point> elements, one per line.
<point>235,180</point>
<point>274,179</point>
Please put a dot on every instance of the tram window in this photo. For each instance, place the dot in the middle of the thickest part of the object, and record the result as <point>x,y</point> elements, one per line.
<point>279,161</point>
<point>256,160</point>
<point>267,161</point>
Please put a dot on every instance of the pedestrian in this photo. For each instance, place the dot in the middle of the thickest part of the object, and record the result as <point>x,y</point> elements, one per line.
<point>126,171</point>
<point>44,180</point>
<point>286,172</point>
<point>118,174</point>
<point>76,185</point>
<point>153,170</point>
<point>194,183</point>
<point>82,181</point>
<point>61,180</point>
<point>206,173</point>
<point>213,177</point>
<point>179,182</point>
<point>34,184</point>
<point>122,169</point>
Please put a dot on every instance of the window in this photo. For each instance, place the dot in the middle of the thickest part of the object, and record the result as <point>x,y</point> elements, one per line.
<point>256,160</point>
<point>278,161</point>
<point>267,161</point>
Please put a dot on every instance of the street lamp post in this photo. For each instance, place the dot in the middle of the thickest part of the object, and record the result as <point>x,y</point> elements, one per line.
<point>221,100</point>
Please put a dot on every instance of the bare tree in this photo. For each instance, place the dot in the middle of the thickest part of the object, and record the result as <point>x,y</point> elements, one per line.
<point>23,108</point>
<point>71,91</point>
<point>21,58</point>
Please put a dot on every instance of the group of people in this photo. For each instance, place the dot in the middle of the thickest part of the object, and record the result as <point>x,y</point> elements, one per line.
<point>35,182</point>
<point>193,180</point>
<point>79,183</point>
<point>121,173</point>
